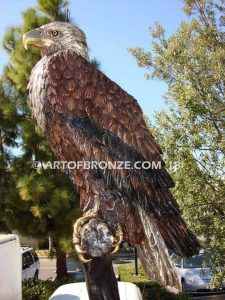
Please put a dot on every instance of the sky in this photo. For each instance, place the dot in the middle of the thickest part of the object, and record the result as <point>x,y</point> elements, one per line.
<point>112,26</point>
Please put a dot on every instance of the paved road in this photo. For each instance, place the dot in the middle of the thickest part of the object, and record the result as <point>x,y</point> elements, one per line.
<point>212,297</point>
<point>48,270</point>
<point>48,265</point>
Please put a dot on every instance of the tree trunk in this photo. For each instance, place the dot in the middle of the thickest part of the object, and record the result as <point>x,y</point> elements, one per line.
<point>100,279</point>
<point>61,268</point>
<point>50,242</point>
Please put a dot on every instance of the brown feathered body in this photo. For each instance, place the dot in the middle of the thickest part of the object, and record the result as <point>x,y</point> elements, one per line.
<point>86,116</point>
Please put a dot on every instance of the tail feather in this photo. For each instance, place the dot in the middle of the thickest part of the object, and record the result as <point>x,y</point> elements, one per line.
<point>177,236</point>
<point>161,234</point>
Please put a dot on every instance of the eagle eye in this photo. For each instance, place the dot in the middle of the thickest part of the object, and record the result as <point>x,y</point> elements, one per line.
<point>54,33</point>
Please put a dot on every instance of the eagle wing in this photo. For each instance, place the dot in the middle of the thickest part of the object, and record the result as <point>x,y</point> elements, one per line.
<point>86,116</point>
<point>104,123</point>
<point>112,127</point>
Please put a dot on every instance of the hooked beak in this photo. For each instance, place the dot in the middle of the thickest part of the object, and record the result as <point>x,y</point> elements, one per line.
<point>36,37</point>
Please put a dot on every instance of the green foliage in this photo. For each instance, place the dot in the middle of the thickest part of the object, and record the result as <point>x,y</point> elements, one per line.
<point>95,63</point>
<point>8,134</point>
<point>42,290</point>
<point>55,9</point>
<point>192,132</point>
<point>36,202</point>
<point>149,289</point>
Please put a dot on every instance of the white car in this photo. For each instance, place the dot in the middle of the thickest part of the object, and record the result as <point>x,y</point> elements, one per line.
<point>194,276</point>
<point>78,291</point>
<point>30,264</point>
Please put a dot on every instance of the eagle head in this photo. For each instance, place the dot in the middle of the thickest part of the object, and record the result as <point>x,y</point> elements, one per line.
<point>57,36</point>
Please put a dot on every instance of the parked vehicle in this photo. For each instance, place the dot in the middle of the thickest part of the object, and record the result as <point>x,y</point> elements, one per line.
<point>194,275</point>
<point>30,264</point>
<point>78,291</point>
<point>10,268</point>
<point>78,273</point>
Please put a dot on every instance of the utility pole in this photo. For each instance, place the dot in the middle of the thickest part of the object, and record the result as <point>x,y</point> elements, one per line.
<point>135,261</point>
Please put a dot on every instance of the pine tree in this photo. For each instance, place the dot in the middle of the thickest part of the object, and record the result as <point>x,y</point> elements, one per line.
<point>191,62</point>
<point>38,202</point>
<point>8,134</point>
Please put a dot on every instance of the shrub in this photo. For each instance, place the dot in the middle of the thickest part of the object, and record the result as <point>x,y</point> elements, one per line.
<point>43,289</point>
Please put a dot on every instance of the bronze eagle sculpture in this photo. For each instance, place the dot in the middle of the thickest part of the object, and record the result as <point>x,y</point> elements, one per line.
<point>85,116</point>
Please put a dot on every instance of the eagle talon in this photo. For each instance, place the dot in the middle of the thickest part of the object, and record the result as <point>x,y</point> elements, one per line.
<point>80,222</point>
<point>80,250</point>
<point>83,260</point>
<point>117,248</point>
<point>77,237</point>
<point>118,239</point>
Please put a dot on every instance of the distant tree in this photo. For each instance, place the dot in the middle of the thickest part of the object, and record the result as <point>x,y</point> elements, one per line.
<point>37,202</point>
<point>192,130</point>
<point>9,119</point>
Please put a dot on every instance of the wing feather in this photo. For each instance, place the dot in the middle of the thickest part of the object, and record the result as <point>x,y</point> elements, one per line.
<point>107,104</point>
<point>100,121</point>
